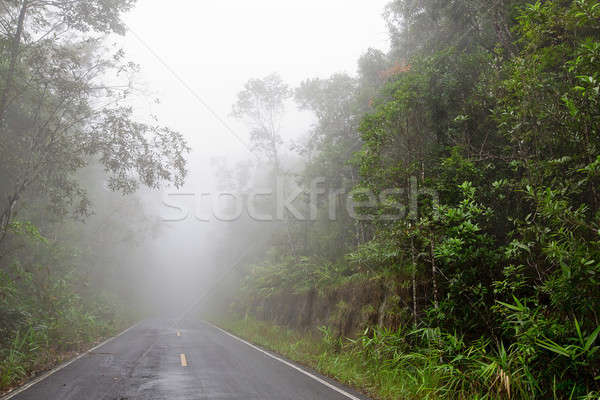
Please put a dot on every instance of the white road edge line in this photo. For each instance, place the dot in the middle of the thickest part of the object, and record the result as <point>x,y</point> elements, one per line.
<point>316,378</point>
<point>20,390</point>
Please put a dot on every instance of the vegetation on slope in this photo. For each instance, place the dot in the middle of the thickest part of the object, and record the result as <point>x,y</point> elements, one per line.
<point>496,108</point>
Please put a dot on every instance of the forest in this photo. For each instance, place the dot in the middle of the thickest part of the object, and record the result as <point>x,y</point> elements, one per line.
<point>489,289</point>
<point>476,274</point>
<point>71,148</point>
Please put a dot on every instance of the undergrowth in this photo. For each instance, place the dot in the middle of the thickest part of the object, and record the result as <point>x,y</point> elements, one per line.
<point>36,335</point>
<point>403,364</point>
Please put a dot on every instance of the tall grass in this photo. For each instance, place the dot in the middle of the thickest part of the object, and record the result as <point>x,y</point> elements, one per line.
<point>41,326</point>
<point>404,364</point>
<point>22,353</point>
<point>37,347</point>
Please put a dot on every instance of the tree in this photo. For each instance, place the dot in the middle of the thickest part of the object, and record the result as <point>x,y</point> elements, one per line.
<point>58,114</point>
<point>27,23</point>
<point>327,149</point>
<point>426,27</point>
<point>262,105</point>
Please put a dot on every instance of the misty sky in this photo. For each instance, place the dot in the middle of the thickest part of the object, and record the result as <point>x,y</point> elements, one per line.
<point>216,47</point>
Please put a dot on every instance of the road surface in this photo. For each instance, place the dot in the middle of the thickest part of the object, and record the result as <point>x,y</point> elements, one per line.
<point>154,360</point>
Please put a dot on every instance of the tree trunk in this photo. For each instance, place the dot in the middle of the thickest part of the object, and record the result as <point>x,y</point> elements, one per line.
<point>6,217</point>
<point>7,213</point>
<point>414,280</point>
<point>433,276</point>
<point>503,35</point>
<point>290,239</point>
<point>381,311</point>
<point>14,54</point>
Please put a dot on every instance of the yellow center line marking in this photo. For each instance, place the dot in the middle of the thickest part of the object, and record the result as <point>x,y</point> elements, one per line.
<point>178,333</point>
<point>183,360</point>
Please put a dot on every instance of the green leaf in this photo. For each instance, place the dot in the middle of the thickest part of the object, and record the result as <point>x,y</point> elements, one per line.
<point>578,329</point>
<point>553,347</point>
<point>570,105</point>
<point>590,339</point>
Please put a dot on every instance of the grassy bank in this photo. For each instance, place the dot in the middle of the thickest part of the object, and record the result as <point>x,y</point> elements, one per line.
<point>404,364</point>
<point>40,329</point>
<point>356,363</point>
<point>36,349</point>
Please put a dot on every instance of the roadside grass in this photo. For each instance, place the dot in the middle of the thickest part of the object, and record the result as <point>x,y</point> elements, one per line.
<point>41,329</point>
<point>39,348</point>
<point>406,364</point>
<point>344,360</point>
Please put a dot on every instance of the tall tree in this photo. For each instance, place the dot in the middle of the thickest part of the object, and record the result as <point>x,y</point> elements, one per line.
<point>262,105</point>
<point>59,114</point>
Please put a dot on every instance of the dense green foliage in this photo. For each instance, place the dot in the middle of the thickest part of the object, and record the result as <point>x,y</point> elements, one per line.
<point>68,142</point>
<point>496,108</point>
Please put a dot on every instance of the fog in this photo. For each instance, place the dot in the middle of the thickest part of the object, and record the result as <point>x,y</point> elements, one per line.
<point>195,57</point>
<point>386,192</point>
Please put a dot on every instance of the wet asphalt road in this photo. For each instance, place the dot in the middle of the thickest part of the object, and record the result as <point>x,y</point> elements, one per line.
<point>146,362</point>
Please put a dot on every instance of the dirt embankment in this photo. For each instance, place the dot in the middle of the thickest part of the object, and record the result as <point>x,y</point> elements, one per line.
<point>348,308</point>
